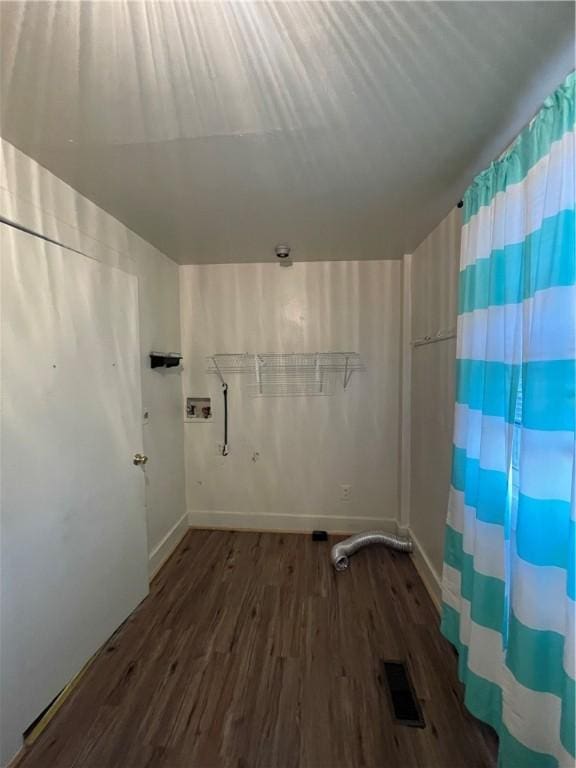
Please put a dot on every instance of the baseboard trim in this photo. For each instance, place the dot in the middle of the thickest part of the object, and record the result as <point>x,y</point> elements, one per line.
<point>239,521</point>
<point>427,572</point>
<point>166,546</point>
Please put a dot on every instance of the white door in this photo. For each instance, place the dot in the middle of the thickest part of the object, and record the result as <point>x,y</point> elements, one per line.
<point>73,530</point>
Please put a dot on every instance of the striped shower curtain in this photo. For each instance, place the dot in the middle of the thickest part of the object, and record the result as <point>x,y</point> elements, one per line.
<point>509,574</point>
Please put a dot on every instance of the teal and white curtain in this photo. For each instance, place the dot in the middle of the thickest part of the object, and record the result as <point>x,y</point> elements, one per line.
<point>509,574</point>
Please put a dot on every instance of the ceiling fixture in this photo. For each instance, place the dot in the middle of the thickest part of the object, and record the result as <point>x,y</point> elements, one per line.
<point>283,254</point>
<point>282,251</point>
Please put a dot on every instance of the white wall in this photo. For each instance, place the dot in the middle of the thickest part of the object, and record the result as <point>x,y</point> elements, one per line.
<point>307,446</point>
<point>434,277</point>
<point>33,197</point>
<point>73,549</point>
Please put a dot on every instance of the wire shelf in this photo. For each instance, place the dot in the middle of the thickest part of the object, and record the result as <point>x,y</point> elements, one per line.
<point>301,373</point>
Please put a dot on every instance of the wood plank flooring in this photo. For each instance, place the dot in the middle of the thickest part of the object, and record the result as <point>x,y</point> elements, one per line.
<point>251,651</point>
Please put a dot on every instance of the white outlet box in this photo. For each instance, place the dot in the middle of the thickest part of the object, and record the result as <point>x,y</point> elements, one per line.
<point>345,492</point>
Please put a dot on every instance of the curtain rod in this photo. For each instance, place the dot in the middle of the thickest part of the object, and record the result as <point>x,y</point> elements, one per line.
<point>510,144</point>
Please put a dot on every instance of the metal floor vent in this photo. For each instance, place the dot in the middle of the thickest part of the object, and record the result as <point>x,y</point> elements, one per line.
<point>405,704</point>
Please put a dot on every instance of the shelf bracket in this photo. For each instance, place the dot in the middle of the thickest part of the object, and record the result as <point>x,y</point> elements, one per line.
<point>218,371</point>
<point>318,373</point>
<point>347,374</point>
<point>257,362</point>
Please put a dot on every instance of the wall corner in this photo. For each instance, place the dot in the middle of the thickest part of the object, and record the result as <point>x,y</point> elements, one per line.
<point>406,392</point>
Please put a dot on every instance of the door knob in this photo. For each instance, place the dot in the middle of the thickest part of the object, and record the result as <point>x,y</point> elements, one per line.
<point>139,459</point>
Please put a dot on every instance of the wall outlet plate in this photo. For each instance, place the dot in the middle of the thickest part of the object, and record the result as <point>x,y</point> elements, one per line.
<point>345,492</point>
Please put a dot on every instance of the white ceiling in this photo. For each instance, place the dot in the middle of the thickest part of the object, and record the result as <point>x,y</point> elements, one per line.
<point>216,130</point>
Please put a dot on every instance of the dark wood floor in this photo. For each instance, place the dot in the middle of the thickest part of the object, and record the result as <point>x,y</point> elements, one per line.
<point>251,651</point>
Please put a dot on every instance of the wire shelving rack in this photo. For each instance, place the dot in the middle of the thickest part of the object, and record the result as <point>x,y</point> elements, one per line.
<point>301,373</point>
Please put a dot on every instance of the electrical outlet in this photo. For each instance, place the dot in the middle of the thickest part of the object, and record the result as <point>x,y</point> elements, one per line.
<point>345,492</point>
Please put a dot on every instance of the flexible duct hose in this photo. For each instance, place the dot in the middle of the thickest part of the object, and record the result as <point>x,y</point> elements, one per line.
<point>344,549</point>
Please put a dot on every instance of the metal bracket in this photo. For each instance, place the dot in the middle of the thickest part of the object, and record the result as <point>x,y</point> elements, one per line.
<point>218,371</point>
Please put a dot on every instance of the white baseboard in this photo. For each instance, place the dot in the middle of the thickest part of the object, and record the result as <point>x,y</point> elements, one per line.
<point>166,546</point>
<point>432,580</point>
<point>15,759</point>
<point>239,521</point>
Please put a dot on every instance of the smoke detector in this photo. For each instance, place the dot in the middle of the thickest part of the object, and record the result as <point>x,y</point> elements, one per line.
<point>282,251</point>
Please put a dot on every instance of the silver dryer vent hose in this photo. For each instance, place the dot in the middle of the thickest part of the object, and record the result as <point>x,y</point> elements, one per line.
<point>344,549</point>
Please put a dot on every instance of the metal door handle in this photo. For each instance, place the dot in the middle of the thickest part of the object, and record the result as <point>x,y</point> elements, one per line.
<point>139,459</point>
